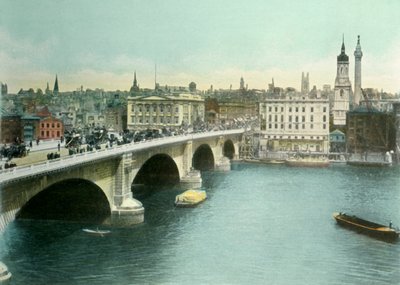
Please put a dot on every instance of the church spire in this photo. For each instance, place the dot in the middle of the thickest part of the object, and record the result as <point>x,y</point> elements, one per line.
<point>55,89</point>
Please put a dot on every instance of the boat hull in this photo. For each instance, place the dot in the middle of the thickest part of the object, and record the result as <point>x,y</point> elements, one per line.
<point>366,227</point>
<point>307,163</point>
<point>368,163</point>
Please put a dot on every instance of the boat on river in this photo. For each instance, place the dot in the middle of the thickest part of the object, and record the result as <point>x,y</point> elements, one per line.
<point>308,161</point>
<point>5,275</point>
<point>190,198</point>
<point>369,163</point>
<point>96,232</point>
<point>366,227</point>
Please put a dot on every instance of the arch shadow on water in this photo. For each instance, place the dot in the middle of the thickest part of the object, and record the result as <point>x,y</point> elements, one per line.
<point>203,158</point>
<point>159,170</point>
<point>229,149</point>
<point>73,200</point>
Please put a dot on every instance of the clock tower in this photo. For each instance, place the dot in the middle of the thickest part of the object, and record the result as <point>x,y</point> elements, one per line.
<point>343,92</point>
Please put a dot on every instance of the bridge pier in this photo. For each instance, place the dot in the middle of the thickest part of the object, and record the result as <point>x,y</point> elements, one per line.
<point>126,210</point>
<point>130,212</point>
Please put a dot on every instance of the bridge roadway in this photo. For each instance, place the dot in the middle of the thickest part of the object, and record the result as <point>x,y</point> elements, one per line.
<point>20,172</point>
<point>112,170</point>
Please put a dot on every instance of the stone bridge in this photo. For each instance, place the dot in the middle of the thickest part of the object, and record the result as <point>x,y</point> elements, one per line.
<point>98,184</point>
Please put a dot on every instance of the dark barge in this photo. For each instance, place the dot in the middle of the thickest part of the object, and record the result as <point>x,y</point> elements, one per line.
<point>366,227</point>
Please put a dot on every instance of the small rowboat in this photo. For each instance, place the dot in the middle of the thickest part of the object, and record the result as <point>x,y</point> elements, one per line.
<point>96,232</point>
<point>366,227</point>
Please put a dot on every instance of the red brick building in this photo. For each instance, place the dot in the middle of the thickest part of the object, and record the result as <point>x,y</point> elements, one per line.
<point>50,128</point>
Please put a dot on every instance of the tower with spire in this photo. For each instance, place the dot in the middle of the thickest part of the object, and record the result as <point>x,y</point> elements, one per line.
<point>343,92</point>
<point>357,73</point>
<point>55,89</point>
<point>241,83</point>
<point>135,86</point>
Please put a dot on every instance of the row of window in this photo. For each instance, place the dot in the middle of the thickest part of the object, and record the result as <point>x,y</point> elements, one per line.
<point>151,120</point>
<point>303,118</point>
<point>294,109</point>
<point>297,137</point>
<point>155,108</point>
<point>52,125</point>
<point>49,134</point>
<point>295,126</point>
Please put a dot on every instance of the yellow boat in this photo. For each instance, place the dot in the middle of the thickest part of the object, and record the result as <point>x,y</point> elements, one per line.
<point>190,198</point>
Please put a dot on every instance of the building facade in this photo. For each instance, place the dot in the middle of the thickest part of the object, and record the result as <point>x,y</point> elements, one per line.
<point>343,91</point>
<point>295,122</point>
<point>370,131</point>
<point>157,111</point>
<point>50,128</point>
<point>10,128</point>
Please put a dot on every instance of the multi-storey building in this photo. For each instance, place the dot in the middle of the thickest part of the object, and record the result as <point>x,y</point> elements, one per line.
<point>157,111</point>
<point>369,130</point>
<point>51,128</point>
<point>295,122</point>
<point>10,128</point>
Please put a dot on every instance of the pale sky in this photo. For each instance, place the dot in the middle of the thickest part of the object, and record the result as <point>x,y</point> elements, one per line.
<point>99,44</point>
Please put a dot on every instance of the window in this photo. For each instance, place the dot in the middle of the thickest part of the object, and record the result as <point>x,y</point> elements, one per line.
<point>276,126</point>
<point>290,109</point>
<point>297,119</point>
<point>303,118</point>
<point>276,118</point>
<point>303,109</point>
<point>324,118</point>
<point>311,118</point>
<point>276,109</point>
<point>269,126</point>
<point>290,126</point>
<point>324,126</point>
<point>52,125</point>
<point>281,109</point>
<point>281,118</point>
<point>290,118</point>
<point>270,109</point>
<point>324,109</point>
<point>297,109</point>
<point>282,126</point>
<point>312,109</point>
<point>58,125</point>
<point>270,118</point>
<point>312,126</point>
<point>48,125</point>
<point>303,126</point>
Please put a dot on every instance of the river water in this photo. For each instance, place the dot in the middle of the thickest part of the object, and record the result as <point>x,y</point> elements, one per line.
<point>261,224</point>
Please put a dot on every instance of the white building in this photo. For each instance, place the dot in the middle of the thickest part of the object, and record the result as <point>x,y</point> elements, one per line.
<point>157,111</point>
<point>295,122</point>
<point>343,91</point>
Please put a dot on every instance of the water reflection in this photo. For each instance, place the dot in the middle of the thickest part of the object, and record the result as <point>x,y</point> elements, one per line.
<point>260,225</point>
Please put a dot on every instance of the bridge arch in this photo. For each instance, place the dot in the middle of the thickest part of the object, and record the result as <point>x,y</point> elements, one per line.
<point>69,200</point>
<point>203,158</point>
<point>160,169</point>
<point>229,149</point>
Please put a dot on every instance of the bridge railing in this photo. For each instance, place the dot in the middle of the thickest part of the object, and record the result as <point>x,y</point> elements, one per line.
<point>24,171</point>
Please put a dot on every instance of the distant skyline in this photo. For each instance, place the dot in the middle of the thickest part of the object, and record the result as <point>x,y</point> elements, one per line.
<point>101,44</point>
